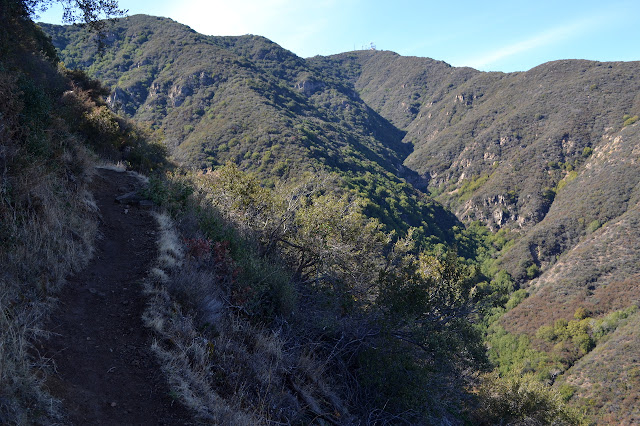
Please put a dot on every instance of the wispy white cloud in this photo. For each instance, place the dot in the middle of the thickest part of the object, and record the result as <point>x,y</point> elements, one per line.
<point>545,38</point>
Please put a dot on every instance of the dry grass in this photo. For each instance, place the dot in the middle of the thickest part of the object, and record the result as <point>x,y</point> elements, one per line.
<point>47,229</point>
<point>171,252</point>
<point>225,369</point>
<point>50,230</point>
<point>115,167</point>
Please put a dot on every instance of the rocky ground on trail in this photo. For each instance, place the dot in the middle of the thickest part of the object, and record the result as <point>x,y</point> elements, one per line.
<point>105,372</point>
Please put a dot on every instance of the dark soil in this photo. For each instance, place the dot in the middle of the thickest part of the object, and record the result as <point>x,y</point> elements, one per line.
<point>105,372</point>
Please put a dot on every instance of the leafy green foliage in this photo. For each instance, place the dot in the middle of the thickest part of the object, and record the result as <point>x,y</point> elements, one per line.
<point>628,120</point>
<point>340,286</point>
<point>593,226</point>
<point>612,391</point>
<point>522,400</point>
<point>515,299</point>
<point>470,186</point>
<point>560,346</point>
<point>427,302</point>
<point>513,355</point>
<point>587,151</point>
<point>533,271</point>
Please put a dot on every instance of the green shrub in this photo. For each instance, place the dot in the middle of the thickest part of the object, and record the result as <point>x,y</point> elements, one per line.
<point>392,379</point>
<point>566,392</point>
<point>628,120</point>
<point>170,192</point>
<point>533,271</point>
<point>580,314</point>
<point>522,400</point>
<point>515,299</point>
<point>470,186</point>
<point>568,178</point>
<point>593,226</point>
<point>611,322</point>
<point>546,333</point>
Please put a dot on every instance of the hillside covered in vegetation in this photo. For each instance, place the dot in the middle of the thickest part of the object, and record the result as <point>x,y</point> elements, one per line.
<point>247,100</point>
<point>270,301</point>
<point>545,158</point>
<point>551,155</point>
<point>360,238</point>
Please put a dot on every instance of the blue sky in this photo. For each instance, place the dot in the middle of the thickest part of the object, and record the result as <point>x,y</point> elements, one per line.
<point>490,36</point>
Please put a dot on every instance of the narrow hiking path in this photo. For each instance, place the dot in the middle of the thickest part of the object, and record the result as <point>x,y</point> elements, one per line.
<point>105,371</point>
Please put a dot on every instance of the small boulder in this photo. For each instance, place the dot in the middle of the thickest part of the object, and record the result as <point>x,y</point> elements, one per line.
<point>129,198</point>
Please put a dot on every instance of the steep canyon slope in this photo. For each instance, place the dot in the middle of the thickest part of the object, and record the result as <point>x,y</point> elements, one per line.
<point>247,100</point>
<point>550,154</point>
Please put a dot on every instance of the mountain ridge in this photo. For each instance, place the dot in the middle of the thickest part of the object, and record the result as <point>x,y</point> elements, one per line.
<point>292,116</point>
<point>547,154</point>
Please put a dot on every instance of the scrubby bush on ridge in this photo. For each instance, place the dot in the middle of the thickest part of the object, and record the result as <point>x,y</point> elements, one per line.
<point>397,327</point>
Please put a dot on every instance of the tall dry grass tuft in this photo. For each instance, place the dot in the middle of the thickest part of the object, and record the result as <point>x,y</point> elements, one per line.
<point>220,365</point>
<point>47,229</point>
<point>48,234</point>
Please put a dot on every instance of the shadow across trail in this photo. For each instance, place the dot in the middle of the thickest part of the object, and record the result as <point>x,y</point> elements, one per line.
<point>105,372</point>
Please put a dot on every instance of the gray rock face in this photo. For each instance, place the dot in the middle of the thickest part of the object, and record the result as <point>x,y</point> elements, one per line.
<point>309,87</point>
<point>120,100</point>
<point>178,94</point>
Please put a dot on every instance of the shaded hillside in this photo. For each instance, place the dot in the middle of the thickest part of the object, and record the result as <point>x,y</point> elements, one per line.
<point>283,304</point>
<point>550,154</point>
<point>492,142</point>
<point>505,148</point>
<point>247,100</point>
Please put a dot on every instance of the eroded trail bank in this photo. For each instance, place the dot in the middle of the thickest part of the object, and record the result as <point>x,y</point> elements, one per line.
<point>105,372</point>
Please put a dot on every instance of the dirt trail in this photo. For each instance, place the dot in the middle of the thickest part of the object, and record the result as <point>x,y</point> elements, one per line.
<point>105,372</point>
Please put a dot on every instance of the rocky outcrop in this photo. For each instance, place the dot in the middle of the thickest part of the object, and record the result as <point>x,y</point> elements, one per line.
<point>178,93</point>
<point>309,87</point>
<point>121,100</point>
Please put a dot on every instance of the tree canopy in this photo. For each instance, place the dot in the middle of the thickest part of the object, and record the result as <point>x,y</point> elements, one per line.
<point>89,12</point>
<point>95,14</point>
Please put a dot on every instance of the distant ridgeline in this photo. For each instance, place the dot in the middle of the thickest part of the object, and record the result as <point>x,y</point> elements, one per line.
<point>548,157</point>
<point>247,100</point>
